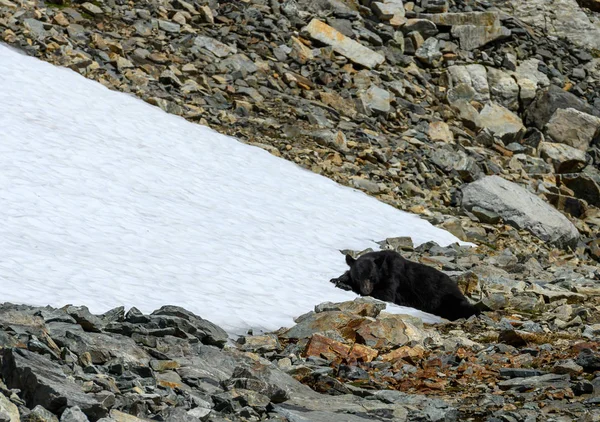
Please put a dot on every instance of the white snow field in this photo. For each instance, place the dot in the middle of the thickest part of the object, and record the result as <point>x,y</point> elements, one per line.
<point>107,201</point>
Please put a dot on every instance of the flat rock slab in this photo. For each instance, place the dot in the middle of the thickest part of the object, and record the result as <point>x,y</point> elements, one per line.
<point>548,101</point>
<point>541,381</point>
<point>472,36</point>
<point>503,123</point>
<point>343,45</point>
<point>43,382</point>
<point>470,18</point>
<point>573,127</point>
<point>521,209</point>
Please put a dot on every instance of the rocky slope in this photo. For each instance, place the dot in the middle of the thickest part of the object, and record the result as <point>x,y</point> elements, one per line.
<point>483,117</point>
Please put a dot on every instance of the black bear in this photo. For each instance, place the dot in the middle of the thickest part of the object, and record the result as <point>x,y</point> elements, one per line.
<point>387,276</point>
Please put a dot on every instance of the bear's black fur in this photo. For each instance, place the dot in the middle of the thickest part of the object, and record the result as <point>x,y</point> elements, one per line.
<point>387,276</point>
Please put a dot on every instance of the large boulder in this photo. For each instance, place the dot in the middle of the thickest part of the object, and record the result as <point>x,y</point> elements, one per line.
<point>564,158</point>
<point>43,382</point>
<point>549,100</point>
<point>574,128</point>
<point>520,209</point>
<point>503,123</point>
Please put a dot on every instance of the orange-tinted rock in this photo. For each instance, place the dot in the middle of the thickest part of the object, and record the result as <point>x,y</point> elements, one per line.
<point>327,348</point>
<point>361,353</point>
<point>407,353</point>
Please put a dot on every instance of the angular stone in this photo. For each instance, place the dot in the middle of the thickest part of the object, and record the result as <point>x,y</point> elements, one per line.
<point>458,161</point>
<point>300,52</point>
<point>84,317</point>
<point>204,330</point>
<point>170,27</point>
<point>214,46</point>
<point>503,123</point>
<point>423,26</point>
<point>468,115</point>
<point>440,131</point>
<point>343,45</point>
<point>326,348</point>
<point>473,75</point>
<point>555,381</point>
<point>503,88</point>
<point>377,99</point>
<point>573,128</point>
<point>468,18</point>
<point>388,9</point>
<point>336,101</point>
<point>584,185</point>
<point>471,37</point>
<point>567,367</point>
<point>92,9</point>
<point>553,98</point>
<point>460,92</point>
<point>39,414</point>
<point>361,306</point>
<point>35,27</point>
<point>320,322</point>
<point>564,158</point>
<point>43,382</point>
<point>520,209</point>
<point>118,416</point>
<point>429,53</point>
<point>259,344</point>
<point>8,409</point>
<point>435,6</point>
<point>589,360</point>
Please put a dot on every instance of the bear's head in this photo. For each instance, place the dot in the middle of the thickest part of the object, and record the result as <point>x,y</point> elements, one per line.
<point>366,272</point>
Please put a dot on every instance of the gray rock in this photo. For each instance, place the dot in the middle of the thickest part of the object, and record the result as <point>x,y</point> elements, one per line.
<point>435,6</point>
<point>521,209</point>
<point>471,37</point>
<point>167,26</point>
<point>429,53</point>
<point>36,28</point>
<point>458,161</point>
<point>553,98</point>
<point>520,372</point>
<point>8,409</point>
<point>589,360</point>
<point>562,18</point>
<point>468,114</point>
<point>503,88</point>
<point>39,414</point>
<point>214,46</point>
<point>388,9</point>
<point>423,26</point>
<point>473,75</point>
<point>564,158</point>
<point>73,414</point>
<point>503,123</point>
<point>43,382</point>
<point>377,99</point>
<point>204,330</point>
<point>462,91</point>
<point>83,317</point>
<point>92,9</point>
<point>542,381</point>
<point>574,128</point>
<point>343,45</point>
<point>567,366</point>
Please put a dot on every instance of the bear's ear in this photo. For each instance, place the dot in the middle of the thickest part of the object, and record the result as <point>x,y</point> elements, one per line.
<point>349,260</point>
